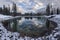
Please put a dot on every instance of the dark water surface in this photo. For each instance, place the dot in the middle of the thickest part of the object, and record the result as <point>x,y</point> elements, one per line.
<point>34,26</point>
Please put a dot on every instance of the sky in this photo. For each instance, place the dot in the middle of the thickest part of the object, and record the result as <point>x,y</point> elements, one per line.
<point>30,5</point>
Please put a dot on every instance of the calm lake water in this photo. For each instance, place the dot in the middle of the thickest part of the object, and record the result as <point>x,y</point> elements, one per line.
<point>31,24</point>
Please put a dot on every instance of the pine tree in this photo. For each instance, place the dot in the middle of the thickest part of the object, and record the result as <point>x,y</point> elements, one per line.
<point>14,9</point>
<point>0,10</point>
<point>48,9</point>
<point>5,10</point>
<point>8,9</point>
<point>57,11</point>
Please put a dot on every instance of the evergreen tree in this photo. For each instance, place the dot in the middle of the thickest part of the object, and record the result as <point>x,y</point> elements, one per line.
<point>26,14</point>
<point>14,9</point>
<point>8,9</point>
<point>5,10</point>
<point>57,11</point>
<point>48,9</point>
<point>0,10</point>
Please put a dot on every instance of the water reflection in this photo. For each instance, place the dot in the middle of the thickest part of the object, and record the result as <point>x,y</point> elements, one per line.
<point>31,23</point>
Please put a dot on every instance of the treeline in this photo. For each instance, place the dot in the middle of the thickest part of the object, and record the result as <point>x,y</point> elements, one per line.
<point>52,11</point>
<point>7,11</point>
<point>4,10</point>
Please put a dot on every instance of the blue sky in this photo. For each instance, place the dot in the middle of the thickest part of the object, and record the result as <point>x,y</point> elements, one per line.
<point>30,5</point>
